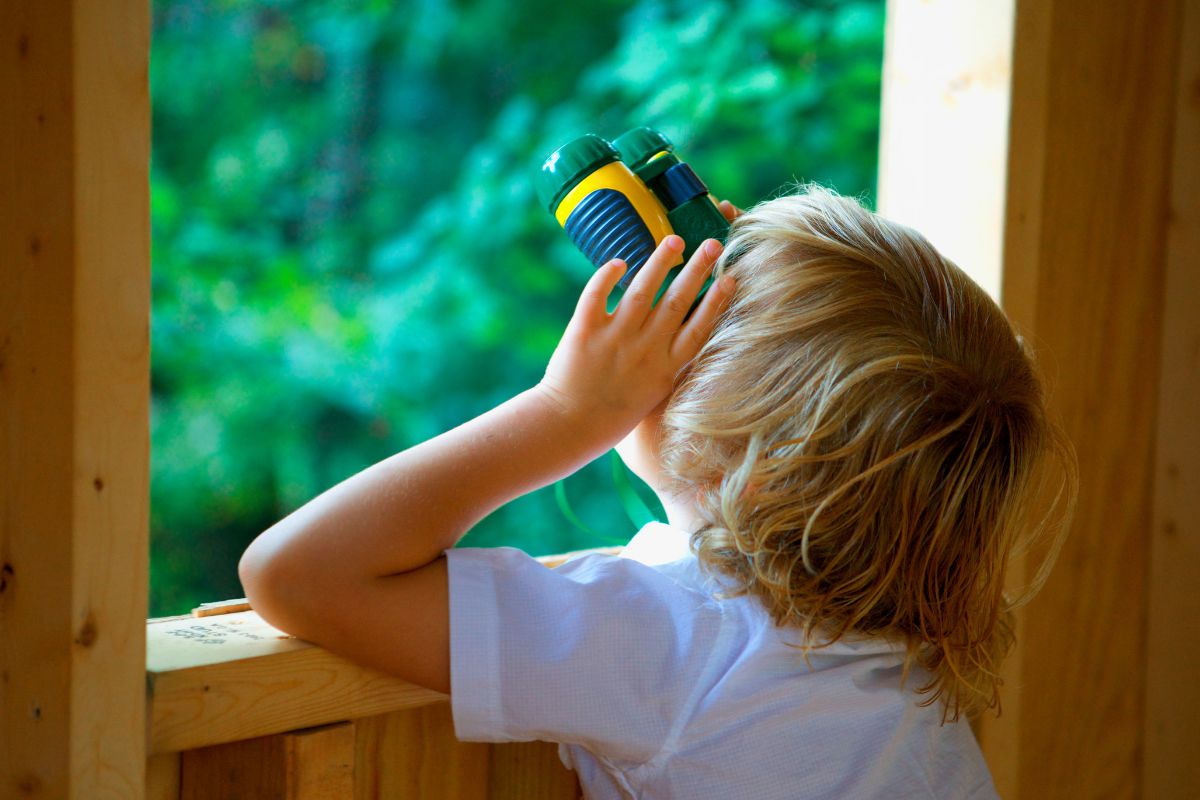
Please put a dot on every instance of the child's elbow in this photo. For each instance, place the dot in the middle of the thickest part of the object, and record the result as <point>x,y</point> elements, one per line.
<point>273,583</point>
<point>253,570</point>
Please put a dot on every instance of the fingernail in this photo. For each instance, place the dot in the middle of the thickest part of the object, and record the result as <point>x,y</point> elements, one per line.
<point>726,283</point>
<point>673,242</point>
<point>712,247</point>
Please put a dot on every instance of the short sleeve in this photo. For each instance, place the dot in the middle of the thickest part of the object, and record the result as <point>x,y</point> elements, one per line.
<point>602,652</point>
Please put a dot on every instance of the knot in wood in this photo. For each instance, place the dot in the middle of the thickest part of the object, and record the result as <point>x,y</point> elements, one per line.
<point>87,633</point>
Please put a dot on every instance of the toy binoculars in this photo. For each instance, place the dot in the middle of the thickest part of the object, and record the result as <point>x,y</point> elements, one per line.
<point>621,199</point>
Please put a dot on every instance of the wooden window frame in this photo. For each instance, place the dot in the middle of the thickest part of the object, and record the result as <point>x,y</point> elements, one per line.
<point>1090,204</point>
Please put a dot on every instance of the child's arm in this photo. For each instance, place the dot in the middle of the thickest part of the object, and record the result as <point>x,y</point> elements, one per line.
<point>358,569</point>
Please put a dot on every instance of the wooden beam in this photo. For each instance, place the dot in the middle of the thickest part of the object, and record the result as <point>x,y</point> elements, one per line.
<point>74,395</point>
<point>944,129</point>
<point>223,675</point>
<point>220,679</point>
<point>1173,631</point>
<point>314,764</point>
<point>1085,231</point>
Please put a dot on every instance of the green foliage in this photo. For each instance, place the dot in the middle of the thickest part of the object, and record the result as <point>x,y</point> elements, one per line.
<point>348,254</point>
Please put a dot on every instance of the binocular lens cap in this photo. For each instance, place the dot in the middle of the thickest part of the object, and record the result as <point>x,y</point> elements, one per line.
<point>638,145</point>
<point>569,164</point>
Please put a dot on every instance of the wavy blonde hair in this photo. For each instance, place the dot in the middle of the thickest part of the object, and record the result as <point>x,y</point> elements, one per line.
<point>869,443</point>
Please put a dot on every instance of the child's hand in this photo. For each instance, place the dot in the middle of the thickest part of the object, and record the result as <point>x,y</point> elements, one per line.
<point>611,370</point>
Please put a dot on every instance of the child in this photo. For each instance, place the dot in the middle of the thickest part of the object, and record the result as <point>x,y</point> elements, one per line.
<point>849,441</point>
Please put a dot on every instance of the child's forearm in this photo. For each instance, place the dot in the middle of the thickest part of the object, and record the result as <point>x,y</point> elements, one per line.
<point>401,513</point>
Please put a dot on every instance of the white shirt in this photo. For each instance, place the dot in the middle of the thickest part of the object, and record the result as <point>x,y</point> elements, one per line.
<point>657,690</point>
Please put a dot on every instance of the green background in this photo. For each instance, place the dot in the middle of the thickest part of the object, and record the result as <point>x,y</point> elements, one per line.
<point>348,254</point>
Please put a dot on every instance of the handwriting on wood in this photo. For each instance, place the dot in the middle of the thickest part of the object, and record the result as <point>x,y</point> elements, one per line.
<point>187,642</point>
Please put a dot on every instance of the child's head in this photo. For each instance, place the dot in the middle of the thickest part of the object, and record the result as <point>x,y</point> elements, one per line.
<point>868,440</point>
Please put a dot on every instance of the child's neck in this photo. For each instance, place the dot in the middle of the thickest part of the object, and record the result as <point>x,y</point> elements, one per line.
<point>681,511</point>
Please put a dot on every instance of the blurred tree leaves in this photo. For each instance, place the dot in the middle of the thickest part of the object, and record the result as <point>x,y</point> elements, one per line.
<point>348,253</point>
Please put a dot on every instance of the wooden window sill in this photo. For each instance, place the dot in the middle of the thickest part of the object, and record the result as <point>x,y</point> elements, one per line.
<point>222,674</point>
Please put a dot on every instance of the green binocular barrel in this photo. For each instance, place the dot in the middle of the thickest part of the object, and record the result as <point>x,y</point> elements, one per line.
<point>690,208</point>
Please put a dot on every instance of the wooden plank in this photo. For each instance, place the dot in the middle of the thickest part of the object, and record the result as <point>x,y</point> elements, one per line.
<point>252,768</point>
<point>221,607</point>
<point>184,642</point>
<point>1091,104</point>
<point>943,135</point>
<point>74,394</point>
<point>232,677</point>
<point>1173,632</point>
<point>320,763</point>
<point>315,764</point>
<point>530,771</point>
<point>162,776</point>
<point>414,753</point>
<point>229,675</point>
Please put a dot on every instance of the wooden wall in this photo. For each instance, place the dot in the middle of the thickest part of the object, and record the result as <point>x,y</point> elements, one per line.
<point>74,395</point>
<point>411,753</point>
<point>1170,766</point>
<point>1100,267</point>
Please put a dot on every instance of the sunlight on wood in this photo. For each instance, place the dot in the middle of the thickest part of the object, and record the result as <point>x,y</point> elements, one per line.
<point>944,130</point>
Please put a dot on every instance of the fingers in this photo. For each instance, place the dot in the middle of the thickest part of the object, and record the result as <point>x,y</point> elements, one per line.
<point>593,302</point>
<point>730,211</point>
<point>699,327</point>
<point>639,297</point>
<point>686,286</point>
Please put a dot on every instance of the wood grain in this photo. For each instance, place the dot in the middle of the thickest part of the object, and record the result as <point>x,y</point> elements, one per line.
<point>74,394</point>
<point>414,753</point>
<point>250,769</point>
<point>162,776</point>
<point>238,687</point>
<point>1172,769</point>
<point>320,763</point>
<point>1092,100</point>
<point>229,676</point>
<point>316,764</point>
<point>530,771</point>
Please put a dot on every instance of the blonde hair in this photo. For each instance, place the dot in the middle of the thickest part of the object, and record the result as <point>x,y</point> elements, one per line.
<point>869,443</point>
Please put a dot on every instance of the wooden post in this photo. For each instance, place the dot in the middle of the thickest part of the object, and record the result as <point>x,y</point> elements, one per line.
<point>1101,241</point>
<point>1171,768</point>
<point>74,394</point>
<point>1089,176</point>
<point>944,137</point>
